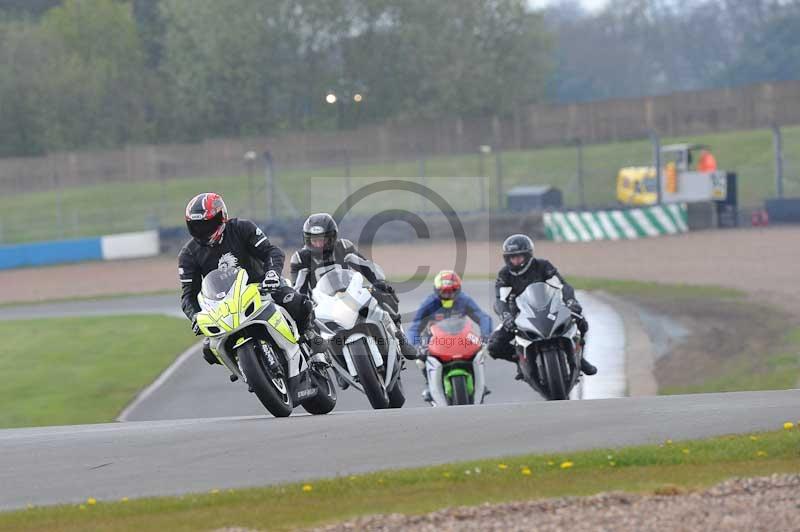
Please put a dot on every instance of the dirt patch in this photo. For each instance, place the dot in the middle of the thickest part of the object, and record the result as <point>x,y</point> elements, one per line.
<point>760,262</point>
<point>745,505</point>
<point>723,338</point>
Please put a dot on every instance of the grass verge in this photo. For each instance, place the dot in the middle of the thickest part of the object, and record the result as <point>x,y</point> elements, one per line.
<point>64,371</point>
<point>776,369</point>
<point>102,209</point>
<point>643,290</point>
<point>666,468</point>
<point>78,299</point>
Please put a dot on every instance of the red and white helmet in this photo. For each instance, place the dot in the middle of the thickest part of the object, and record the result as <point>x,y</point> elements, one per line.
<point>447,285</point>
<point>206,216</point>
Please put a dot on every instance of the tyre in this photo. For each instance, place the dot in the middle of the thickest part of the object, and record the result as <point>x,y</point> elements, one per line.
<point>554,375</point>
<point>368,374</point>
<point>397,396</point>
<point>460,392</point>
<point>272,391</point>
<point>325,400</point>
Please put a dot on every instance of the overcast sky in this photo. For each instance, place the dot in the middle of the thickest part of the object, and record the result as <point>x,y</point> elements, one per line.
<point>588,4</point>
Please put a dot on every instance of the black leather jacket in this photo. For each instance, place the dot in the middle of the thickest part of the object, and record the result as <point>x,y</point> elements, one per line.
<point>307,268</point>
<point>509,285</point>
<point>243,244</point>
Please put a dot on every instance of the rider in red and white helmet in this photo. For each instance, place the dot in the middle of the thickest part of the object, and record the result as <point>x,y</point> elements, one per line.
<point>447,301</point>
<point>206,216</point>
<point>222,242</point>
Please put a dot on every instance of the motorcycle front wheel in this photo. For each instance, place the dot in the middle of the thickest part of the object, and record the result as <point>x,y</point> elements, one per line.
<point>554,375</point>
<point>368,374</point>
<point>397,396</point>
<point>271,390</point>
<point>460,391</point>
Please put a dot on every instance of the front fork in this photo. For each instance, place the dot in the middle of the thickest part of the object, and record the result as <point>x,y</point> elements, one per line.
<point>434,371</point>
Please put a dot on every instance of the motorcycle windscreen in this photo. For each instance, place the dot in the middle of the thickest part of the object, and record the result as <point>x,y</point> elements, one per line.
<point>454,338</point>
<point>335,281</point>
<point>535,305</point>
<point>217,284</point>
<point>450,325</point>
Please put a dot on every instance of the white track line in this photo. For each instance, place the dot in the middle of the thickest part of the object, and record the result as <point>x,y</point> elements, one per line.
<point>166,374</point>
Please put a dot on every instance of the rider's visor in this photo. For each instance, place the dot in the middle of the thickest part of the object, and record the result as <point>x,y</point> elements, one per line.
<point>318,242</point>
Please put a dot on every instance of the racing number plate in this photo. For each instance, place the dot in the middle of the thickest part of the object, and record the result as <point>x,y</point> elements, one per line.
<point>719,186</point>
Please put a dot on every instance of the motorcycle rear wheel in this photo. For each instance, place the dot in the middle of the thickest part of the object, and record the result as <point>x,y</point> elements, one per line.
<point>325,400</point>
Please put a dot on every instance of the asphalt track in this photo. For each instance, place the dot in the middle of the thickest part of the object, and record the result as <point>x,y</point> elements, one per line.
<point>193,389</point>
<point>68,464</point>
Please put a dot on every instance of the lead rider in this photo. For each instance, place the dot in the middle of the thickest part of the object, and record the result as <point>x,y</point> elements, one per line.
<point>222,242</point>
<point>520,271</point>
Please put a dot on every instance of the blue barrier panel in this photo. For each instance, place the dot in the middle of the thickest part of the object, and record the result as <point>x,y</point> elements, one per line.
<point>55,252</point>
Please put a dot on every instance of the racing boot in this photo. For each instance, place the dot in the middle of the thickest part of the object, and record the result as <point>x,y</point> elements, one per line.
<point>343,384</point>
<point>406,348</point>
<point>426,396</point>
<point>587,368</point>
<point>316,343</point>
<point>208,354</point>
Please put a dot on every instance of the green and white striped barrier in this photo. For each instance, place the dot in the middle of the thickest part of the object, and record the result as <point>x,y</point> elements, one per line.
<point>621,224</point>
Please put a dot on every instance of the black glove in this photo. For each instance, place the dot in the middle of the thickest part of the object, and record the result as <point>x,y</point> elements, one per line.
<point>508,322</point>
<point>383,286</point>
<point>574,306</point>
<point>195,327</point>
<point>272,281</point>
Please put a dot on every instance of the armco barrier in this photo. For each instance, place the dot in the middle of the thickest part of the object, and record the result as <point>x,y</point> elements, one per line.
<point>110,247</point>
<point>620,224</point>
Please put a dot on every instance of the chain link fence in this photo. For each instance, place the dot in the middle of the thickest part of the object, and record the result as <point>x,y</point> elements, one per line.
<point>55,204</point>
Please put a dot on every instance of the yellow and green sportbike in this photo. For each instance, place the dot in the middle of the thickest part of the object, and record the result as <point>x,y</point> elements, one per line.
<point>258,342</point>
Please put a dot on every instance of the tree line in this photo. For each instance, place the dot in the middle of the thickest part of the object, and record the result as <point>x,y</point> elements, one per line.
<point>634,48</point>
<point>104,73</point>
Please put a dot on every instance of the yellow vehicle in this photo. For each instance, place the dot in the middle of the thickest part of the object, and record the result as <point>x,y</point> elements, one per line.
<point>636,185</point>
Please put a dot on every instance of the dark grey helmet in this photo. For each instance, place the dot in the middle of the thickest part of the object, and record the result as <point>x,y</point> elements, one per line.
<point>517,245</point>
<point>320,233</point>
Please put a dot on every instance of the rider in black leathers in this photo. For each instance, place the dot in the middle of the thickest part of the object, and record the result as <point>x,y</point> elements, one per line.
<point>219,242</point>
<point>521,270</point>
<point>324,250</point>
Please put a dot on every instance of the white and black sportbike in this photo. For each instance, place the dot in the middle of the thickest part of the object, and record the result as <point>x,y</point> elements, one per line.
<point>257,341</point>
<point>548,344</point>
<point>361,335</point>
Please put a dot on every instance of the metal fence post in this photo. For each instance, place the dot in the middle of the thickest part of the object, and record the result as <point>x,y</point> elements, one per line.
<point>483,149</point>
<point>498,163</point>
<point>249,161</point>
<point>777,138</point>
<point>59,204</point>
<point>654,138</point>
<point>423,179</point>
<point>579,147</point>
<point>308,196</point>
<point>270,177</point>
<point>162,178</point>
<point>347,176</point>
